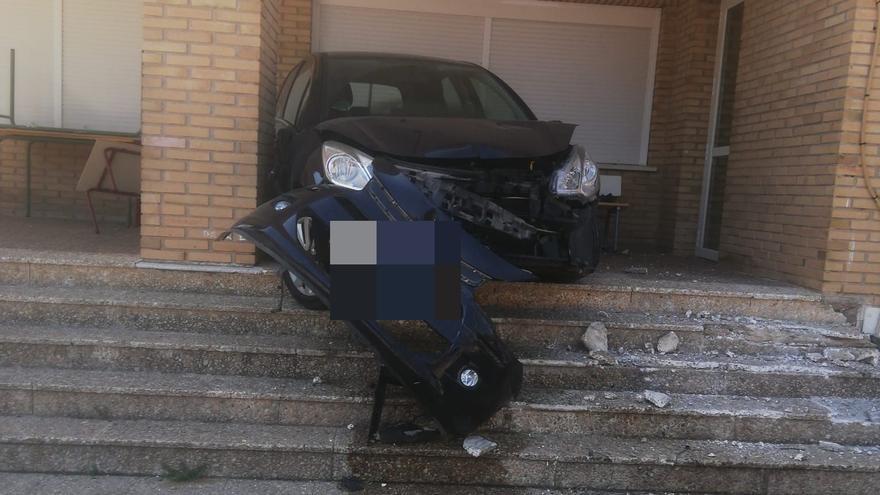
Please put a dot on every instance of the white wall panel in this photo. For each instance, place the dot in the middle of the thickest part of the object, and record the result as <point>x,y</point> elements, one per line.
<point>28,26</point>
<point>593,76</point>
<point>457,37</point>
<point>102,64</point>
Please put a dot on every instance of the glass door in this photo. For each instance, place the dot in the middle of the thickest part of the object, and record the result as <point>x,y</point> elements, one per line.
<point>721,120</point>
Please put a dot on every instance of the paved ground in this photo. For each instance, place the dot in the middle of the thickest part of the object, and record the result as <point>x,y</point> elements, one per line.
<point>675,272</point>
<point>38,239</point>
<point>34,239</point>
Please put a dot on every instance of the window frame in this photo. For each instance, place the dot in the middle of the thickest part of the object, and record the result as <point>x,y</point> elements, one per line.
<point>301,68</point>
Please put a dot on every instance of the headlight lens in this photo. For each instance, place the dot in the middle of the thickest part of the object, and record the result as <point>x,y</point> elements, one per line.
<point>578,176</point>
<point>346,166</point>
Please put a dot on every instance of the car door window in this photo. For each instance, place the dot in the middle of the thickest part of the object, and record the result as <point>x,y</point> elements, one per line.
<point>298,91</point>
<point>451,97</point>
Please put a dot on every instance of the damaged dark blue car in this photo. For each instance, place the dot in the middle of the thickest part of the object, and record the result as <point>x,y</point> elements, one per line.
<point>399,138</point>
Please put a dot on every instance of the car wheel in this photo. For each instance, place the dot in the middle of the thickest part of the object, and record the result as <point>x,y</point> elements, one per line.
<point>301,292</point>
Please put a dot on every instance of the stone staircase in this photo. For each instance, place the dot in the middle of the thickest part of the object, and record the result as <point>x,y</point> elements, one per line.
<point>109,374</point>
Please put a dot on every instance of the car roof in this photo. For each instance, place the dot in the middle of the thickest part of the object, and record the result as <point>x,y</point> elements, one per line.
<point>389,56</point>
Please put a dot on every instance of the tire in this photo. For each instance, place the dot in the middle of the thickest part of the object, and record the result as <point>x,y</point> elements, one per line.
<point>301,293</point>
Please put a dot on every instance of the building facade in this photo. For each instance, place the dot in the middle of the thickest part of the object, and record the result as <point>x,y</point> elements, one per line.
<point>734,126</point>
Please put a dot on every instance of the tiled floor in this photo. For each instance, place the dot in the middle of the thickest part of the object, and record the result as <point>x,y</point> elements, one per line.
<point>66,240</point>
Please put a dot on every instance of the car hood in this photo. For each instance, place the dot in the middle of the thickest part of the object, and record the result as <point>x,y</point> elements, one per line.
<point>450,138</point>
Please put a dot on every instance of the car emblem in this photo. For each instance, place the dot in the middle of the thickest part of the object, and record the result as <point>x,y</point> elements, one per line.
<point>468,378</point>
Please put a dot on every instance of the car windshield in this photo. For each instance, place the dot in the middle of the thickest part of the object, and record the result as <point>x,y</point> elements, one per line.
<point>358,87</point>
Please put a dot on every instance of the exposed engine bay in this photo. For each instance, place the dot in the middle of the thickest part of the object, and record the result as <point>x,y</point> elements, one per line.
<point>512,210</point>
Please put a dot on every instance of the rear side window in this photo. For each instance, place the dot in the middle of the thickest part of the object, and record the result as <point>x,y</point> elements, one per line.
<point>298,91</point>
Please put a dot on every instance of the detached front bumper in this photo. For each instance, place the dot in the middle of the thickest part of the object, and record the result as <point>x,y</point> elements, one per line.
<point>294,229</point>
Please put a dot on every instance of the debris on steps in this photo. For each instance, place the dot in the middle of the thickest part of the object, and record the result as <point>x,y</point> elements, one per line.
<point>477,445</point>
<point>668,343</point>
<point>595,339</point>
<point>659,399</point>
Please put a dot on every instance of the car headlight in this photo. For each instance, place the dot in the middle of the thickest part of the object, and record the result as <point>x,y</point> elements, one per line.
<point>578,177</point>
<point>346,166</point>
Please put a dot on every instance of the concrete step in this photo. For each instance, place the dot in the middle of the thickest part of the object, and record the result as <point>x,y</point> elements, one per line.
<point>213,398</point>
<point>213,313</point>
<point>571,300</point>
<point>346,362</point>
<point>105,272</point>
<point>229,450</point>
<point>102,484</point>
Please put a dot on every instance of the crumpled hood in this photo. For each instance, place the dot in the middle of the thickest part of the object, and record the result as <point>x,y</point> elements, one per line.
<point>450,138</point>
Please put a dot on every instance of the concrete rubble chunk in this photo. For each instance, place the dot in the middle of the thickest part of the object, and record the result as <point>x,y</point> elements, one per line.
<point>603,357</point>
<point>837,354</point>
<point>830,446</point>
<point>668,343</point>
<point>658,399</point>
<point>815,357</point>
<point>868,356</point>
<point>476,445</point>
<point>596,337</point>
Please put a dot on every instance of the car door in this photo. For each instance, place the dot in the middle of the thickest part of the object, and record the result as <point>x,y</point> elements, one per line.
<point>288,126</point>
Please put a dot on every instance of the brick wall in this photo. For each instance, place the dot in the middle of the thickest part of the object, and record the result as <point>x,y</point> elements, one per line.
<point>294,34</point>
<point>787,129</point>
<point>56,168</point>
<point>204,72</point>
<point>680,124</point>
<point>269,56</point>
<point>853,248</point>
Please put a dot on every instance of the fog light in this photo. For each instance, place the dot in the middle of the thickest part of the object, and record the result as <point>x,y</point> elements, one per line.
<point>468,378</point>
<point>282,205</point>
<point>304,234</point>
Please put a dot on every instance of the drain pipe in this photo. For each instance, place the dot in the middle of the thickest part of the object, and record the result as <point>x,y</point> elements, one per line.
<point>863,132</point>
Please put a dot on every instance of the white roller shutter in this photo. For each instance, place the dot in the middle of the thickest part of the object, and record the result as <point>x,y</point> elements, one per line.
<point>592,75</point>
<point>455,37</point>
<point>29,26</point>
<point>77,64</point>
<point>592,65</point>
<point>102,64</point>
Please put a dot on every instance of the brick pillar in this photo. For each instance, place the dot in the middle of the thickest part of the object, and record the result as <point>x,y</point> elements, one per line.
<point>686,65</point>
<point>208,93</point>
<point>295,34</point>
